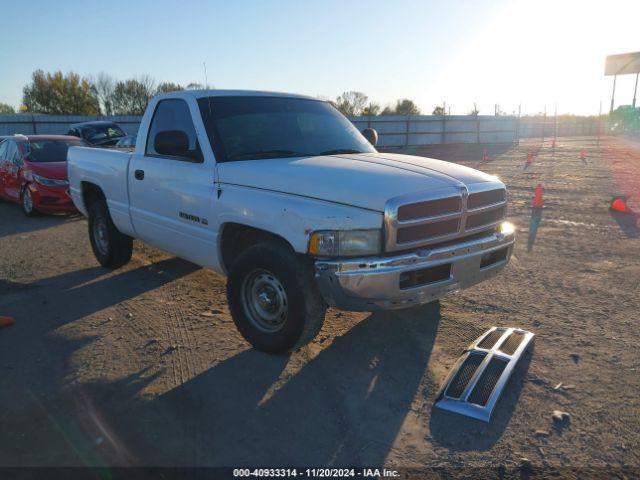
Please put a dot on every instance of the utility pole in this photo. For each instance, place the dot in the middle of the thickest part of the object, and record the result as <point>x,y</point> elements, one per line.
<point>635,90</point>
<point>613,94</point>
<point>600,120</point>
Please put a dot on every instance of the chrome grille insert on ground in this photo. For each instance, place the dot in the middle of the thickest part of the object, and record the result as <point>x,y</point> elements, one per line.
<point>477,380</point>
<point>426,218</point>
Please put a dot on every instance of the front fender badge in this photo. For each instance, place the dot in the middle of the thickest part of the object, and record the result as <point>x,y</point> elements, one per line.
<point>480,375</point>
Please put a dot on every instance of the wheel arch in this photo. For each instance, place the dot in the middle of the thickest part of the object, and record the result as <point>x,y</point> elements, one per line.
<point>236,237</point>
<point>90,192</point>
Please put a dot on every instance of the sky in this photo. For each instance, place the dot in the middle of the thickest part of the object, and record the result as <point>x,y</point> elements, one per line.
<point>531,53</point>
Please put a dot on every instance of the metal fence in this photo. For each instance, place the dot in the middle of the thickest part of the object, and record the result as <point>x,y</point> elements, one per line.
<point>393,130</point>
<point>398,130</point>
<point>59,124</point>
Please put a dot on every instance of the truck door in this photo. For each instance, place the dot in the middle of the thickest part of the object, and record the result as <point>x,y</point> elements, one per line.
<point>172,193</point>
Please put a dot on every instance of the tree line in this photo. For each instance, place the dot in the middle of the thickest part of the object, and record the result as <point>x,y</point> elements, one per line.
<point>354,104</point>
<point>60,93</point>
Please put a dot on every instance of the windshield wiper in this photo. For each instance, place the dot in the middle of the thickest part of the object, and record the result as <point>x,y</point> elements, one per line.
<point>267,154</point>
<point>338,151</point>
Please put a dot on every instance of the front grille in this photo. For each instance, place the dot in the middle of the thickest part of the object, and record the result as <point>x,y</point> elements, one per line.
<point>490,340</point>
<point>431,208</point>
<point>483,219</point>
<point>487,381</point>
<point>490,197</point>
<point>464,375</point>
<point>412,221</point>
<point>512,343</point>
<point>427,231</point>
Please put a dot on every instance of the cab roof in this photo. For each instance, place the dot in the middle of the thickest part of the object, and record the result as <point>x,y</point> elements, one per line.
<point>232,93</point>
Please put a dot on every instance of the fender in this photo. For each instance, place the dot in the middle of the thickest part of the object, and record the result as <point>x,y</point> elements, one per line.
<point>292,217</point>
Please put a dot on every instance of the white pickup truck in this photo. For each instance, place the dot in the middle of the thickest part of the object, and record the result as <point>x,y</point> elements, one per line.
<point>286,197</point>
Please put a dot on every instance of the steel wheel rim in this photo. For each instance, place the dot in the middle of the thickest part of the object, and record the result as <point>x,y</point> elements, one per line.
<point>264,300</point>
<point>100,235</point>
<point>27,201</point>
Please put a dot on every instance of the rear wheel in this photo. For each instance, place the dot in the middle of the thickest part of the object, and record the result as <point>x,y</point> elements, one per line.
<point>273,298</point>
<point>27,203</point>
<point>111,248</point>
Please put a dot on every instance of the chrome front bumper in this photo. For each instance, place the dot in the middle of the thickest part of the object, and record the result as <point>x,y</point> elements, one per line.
<point>368,284</point>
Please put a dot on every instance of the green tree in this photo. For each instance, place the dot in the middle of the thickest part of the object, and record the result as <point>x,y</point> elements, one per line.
<point>371,110</point>
<point>6,108</point>
<point>59,94</point>
<point>406,107</point>
<point>195,86</point>
<point>166,87</point>
<point>475,110</point>
<point>388,110</point>
<point>438,110</point>
<point>130,97</point>
<point>351,103</point>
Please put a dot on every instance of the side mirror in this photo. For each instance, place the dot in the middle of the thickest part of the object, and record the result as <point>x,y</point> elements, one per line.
<point>371,135</point>
<point>174,143</point>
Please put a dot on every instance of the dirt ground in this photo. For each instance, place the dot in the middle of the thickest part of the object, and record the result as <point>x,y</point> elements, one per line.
<point>143,366</point>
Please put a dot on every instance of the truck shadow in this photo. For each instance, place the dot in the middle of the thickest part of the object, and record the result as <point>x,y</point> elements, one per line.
<point>15,223</point>
<point>73,295</point>
<point>36,363</point>
<point>459,433</point>
<point>344,407</point>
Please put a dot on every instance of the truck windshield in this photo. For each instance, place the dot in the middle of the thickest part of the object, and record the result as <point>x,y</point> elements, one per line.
<point>251,128</point>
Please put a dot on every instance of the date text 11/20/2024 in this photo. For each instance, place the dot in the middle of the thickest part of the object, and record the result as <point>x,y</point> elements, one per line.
<point>315,472</point>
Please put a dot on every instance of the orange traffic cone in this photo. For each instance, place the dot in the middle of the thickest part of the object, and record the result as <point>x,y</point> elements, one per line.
<point>529,157</point>
<point>537,197</point>
<point>619,204</point>
<point>6,321</point>
<point>583,154</point>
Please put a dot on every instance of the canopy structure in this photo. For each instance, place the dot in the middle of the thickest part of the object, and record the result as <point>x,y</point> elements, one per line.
<point>622,64</point>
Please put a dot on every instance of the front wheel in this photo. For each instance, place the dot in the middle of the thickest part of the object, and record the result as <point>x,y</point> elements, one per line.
<point>27,203</point>
<point>111,248</point>
<point>273,298</point>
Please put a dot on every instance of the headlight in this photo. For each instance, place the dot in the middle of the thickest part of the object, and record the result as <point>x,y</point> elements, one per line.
<point>507,228</point>
<point>347,243</point>
<point>49,182</point>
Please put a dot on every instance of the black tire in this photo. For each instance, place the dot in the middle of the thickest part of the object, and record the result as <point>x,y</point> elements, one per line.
<point>26,202</point>
<point>305,308</point>
<point>111,248</point>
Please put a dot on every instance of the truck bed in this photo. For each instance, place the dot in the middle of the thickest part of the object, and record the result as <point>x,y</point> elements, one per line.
<point>107,168</point>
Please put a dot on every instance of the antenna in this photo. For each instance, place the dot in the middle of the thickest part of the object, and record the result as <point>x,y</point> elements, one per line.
<point>206,82</point>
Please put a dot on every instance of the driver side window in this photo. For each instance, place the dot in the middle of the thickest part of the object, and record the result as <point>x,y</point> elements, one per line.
<point>173,115</point>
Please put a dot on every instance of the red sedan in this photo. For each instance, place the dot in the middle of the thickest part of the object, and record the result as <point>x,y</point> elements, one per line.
<point>33,172</point>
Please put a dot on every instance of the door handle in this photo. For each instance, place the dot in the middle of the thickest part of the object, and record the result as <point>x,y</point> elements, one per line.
<point>139,174</point>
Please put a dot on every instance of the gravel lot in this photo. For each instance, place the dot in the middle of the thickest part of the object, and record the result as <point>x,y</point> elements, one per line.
<point>143,366</point>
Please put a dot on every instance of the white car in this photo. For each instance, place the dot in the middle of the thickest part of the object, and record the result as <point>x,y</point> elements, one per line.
<point>286,197</point>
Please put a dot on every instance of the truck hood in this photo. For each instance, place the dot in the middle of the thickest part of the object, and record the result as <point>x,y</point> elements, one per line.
<point>365,180</point>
